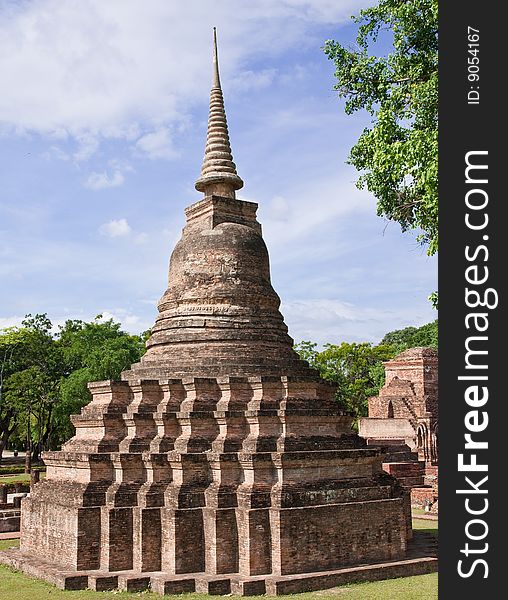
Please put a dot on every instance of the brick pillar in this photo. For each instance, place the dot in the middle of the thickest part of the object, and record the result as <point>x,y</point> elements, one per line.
<point>139,419</point>
<point>201,394</point>
<point>168,428</point>
<point>265,429</point>
<point>254,537</point>
<point>183,542</point>
<point>100,425</point>
<point>196,419</point>
<point>89,538</point>
<point>34,477</point>
<point>267,393</point>
<point>116,539</point>
<point>254,542</point>
<point>130,474</point>
<point>236,393</point>
<point>198,431</point>
<point>157,474</point>
<point>221,540</point>
<point>147,539</point>
<point>232,432</point>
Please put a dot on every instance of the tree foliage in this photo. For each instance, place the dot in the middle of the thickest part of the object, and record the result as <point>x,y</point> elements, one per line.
<point>44,376</point>
<point>397,155</point>
<point>92,351</point>
<point>412,337</point>
<point>357,368</point>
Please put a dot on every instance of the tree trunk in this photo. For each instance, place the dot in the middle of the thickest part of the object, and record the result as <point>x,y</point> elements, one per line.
<point>28,457</point>
<point>6,429</point>
<point>36,452</point>
<point>28,450</point>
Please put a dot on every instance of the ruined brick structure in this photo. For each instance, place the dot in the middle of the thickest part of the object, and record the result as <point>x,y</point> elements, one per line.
<point>221,461</point>
<point>403,420</point>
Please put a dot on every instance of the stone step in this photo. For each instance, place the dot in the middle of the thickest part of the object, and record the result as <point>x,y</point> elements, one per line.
<point>395,443</point>
<point>416,563</point>
<point>291,584</point>
<point>404,469</point>
<point>423,544</point>
<point>401,456</point>
<point>411,482</point>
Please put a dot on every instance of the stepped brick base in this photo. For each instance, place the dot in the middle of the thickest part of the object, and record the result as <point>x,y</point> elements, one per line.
<point>420,559</point>
<point>410,474</point>
<point>214,480</point>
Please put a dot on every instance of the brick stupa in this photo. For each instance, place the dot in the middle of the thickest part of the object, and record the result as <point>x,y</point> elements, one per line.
<point>220,462</point>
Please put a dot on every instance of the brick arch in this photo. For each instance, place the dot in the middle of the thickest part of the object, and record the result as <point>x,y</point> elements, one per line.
<point>422,441</point>
<point>434,443</point>
<point>390,410</point>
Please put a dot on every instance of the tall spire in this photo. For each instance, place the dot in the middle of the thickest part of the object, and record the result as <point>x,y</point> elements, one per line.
<point>218,172</point>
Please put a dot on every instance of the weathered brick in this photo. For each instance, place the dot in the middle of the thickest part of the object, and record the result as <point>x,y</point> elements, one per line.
<point>221,460</point>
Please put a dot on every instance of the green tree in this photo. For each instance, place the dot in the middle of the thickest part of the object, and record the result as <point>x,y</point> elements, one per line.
<point>44,377</point>
<point>28,358</point>
<point>11,342</point>
<point>397,155</point>
<point>92,351</point>
<point>412,337</point>
<point>32,393</point>
<point>356,368</point>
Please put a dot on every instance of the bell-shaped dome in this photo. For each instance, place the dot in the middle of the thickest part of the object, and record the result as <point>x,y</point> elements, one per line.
<point>220,314</point>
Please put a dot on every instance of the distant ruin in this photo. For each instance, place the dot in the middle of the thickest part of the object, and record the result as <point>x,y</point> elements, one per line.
<point>403,420</point>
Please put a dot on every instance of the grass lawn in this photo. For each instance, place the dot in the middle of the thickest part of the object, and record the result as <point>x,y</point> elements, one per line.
<point>23,477</point>
<point>16,586</point>
<point>425,525</point>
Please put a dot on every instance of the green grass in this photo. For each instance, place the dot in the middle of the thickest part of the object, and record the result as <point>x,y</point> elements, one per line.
<point>16,586</point>
<point>426,525</point>
<point>4,544</point>
<point>22,477</point>
<point>11,469</point>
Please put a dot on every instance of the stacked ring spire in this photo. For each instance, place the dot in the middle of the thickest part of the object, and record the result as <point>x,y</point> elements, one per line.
<point>218,172</point>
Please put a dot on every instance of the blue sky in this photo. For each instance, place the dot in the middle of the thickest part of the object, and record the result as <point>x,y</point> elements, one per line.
<point>102,131</point>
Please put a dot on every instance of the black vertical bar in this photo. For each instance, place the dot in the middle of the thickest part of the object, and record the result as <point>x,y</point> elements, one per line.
<point>466,126</point>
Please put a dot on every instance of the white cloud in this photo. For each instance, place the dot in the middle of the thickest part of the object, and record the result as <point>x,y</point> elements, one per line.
<point>94,70</point>
<point>310,205</point>
<point>157,144</point>
<point>131,322</point>
<point>87,146</point>
<point>115,228</point>
<point>56,152</point>
<point>324,320</point>
<point>246,81</point>
<point>141,238</point>
<point>10,322</point>
<point>100,181</point>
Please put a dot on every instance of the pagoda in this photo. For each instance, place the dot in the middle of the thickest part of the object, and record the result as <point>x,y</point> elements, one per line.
<point>220,462</point>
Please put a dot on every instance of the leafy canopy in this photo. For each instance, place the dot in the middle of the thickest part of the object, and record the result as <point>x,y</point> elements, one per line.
<point>44,376</point>
<point>412,337</point>
<point>397,155</point>
<point>356,368</point>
